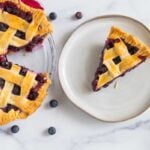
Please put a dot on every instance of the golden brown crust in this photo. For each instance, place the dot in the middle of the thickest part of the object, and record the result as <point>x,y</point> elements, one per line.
<point>26,106</point>
<point>38,27</point>
<point>144,50</point>
<point>120,50</point>
<point>11,116</point>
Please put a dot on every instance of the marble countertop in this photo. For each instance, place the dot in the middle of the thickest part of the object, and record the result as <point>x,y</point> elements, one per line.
<point>75,129</point>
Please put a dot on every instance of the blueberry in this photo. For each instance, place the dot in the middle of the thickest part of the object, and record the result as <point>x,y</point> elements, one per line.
<point>20,34</point>
<point>117,60</point>
<point>16,89</point>
<point>28,17</point>
<point>32,95</point>
<point>13,48</point>
<point>102,69</point>
<point>6,64</point>
<point>2,83</point>
<point>23,71</point>
<point>53,103</point>
<point>78,15</point>
<point>3,26</point>
<point>15,129</point>
<point>53,16</point>
<point>40,78</point>
<point>51,130</point>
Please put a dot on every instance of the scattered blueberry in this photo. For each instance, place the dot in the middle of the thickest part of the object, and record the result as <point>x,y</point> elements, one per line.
<point>53,16</point>
<point>15,129</point>
<point>78,15</point>
<point>51,130</point>
<point>53,103</point>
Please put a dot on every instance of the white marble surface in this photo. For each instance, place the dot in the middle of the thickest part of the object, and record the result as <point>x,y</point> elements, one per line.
<point>75,129</point>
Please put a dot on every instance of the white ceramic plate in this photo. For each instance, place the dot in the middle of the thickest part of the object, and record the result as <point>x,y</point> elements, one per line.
<point>78,63</point>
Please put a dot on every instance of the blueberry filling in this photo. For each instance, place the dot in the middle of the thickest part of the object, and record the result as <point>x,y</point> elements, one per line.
<point>102,69</point>
<point>117,60</point>
<point>40,78</point>
<point>131,49</point>
<point>13,48</point>
<point>3,58</point>
<point>3,27</point>
<point>6,64</point>
<point>110,43</point>
<point>33,94</point>
<point>2,83</point>
<point>23,71</point>
<point>36,40</point>
<point>20,34</point>
<point>10,107</point>
<point>12,8</point>
<point>16,90</point>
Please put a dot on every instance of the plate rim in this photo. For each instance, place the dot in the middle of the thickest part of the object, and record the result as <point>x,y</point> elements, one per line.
<point>61,59</point>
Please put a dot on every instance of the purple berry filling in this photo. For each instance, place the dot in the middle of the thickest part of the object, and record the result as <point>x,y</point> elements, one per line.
<point>2,83</point>
<point>110,43</point>
<point>23,71</point>
<point>40,78</point>
<point>10,107</point>
<point>117,60</point>
<point>3,58</point>
<point>16,90</point>
<point>32,95</point>
<point>6,64</point>
<point>3,27</point>
<point>34,91</point>
<point>132,49</point>
<point>20,34</point>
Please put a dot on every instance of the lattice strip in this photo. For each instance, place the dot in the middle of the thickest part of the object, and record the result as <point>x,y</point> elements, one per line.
<point>26,85</point>
<point>6,94</point>
<point>14,21</point>
<point>6,38</point>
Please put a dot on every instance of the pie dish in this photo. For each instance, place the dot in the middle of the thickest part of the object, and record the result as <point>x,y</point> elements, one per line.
<point>21,91</point>
<point>122,52</point>
<point>21,26</point>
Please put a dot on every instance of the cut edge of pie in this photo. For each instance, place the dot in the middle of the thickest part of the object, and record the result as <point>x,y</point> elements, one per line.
<point>23,26</point>
<point>21,91</point>
<point>122,52</point>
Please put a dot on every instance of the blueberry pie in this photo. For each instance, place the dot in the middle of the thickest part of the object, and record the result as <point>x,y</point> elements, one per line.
<point>122,52</point>
<point>21,91</point>
<point>21,26</point>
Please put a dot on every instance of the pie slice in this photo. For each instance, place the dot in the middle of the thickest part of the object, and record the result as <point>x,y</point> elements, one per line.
<point>21,91</point>
<point>21,26</point>
<point>122,52</point>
